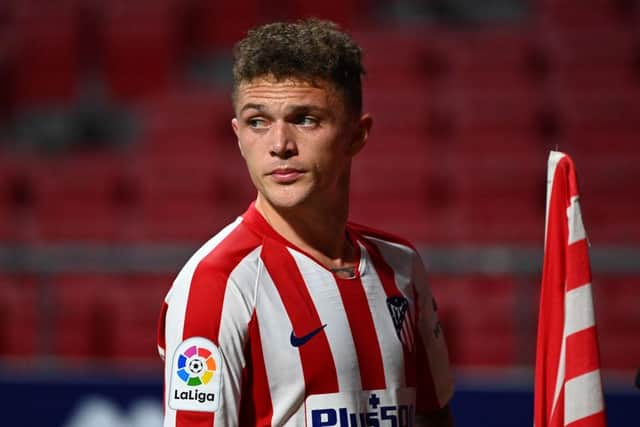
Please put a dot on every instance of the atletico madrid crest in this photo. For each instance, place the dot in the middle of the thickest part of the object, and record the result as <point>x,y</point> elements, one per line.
<point>399,310</point>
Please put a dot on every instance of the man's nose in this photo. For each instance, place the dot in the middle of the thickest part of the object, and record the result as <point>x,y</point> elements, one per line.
<point>284,144</point>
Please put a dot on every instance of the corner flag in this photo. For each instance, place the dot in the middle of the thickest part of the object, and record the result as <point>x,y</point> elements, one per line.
<point>568,389</point>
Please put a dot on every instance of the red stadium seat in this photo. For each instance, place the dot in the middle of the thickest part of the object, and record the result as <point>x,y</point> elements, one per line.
<point>479,318</point>
<point>135,303</point>
<point>573,14</point>
<point>46,39</point>
<point>405,109</point>
<point>189,196</point>
<point>186,120</point>
<point>82,318</point>
<point>348,14</point>
<point>618,320</point>
<point>388,66</point>
<point>17,199</point>
<point>600,110</point>
<point>217,26</point>
<point>592,59</point>
<point>489,60</point>
<point>475,112</point>
<point>141,47</point>
<point>499,193</point>
<point>108,317</point>
<point>19,317</point>
<point>81,198</point>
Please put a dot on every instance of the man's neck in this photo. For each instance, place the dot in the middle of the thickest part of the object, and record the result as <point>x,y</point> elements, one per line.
<point>320,231</point>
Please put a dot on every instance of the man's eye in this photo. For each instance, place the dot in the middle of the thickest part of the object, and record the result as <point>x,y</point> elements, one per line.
<point>307,121</point>
<point>257,123</point>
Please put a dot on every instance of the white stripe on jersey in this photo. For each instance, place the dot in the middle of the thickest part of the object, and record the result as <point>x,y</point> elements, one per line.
<point>322,287</point>
<point>236,314</point>
<point>176,311</point>
<point>282,363</point>
<point>400,259</point>
<point>390,347</point>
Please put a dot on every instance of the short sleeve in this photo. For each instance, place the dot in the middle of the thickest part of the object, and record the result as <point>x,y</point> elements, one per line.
<point>202,334</point>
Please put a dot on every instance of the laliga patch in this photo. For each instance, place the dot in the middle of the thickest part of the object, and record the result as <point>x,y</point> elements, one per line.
<point>196,376</point>
<point>393,408</point>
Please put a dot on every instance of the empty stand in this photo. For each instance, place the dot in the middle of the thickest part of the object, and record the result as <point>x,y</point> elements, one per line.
<point>463,122</point>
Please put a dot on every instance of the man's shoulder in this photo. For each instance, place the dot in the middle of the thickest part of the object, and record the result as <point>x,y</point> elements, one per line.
<point>381,237</point>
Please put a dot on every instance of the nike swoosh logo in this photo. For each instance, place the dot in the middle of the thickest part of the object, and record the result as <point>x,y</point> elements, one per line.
<point>298,341</point>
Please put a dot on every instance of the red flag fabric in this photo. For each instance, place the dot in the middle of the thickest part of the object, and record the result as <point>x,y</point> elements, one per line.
<point>568,389</point>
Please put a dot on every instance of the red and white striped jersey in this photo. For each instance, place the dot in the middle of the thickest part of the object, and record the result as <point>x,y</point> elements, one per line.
<point>255,332</point>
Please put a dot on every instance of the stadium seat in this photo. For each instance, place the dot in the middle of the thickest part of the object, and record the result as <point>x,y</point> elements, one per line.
<point>617,319</point>
<point>481,111</point>
<point>489,60</point>
<point>570,14</point>
<point>479,318</point>
<point>600,110</point>
<point>81,198</point>
<point>19,318</point>
<point>387,66</point>
<point>405,109</point>
<point>17,198</point>
<point>591,59</point>
<point>46,39</point>
<point>136,300</point>
<point>107,316</point>
<point>141,47</point>
<point>500,194</point>
<point>348,14</point>
<point>186,120</point>
<point>216,26</point>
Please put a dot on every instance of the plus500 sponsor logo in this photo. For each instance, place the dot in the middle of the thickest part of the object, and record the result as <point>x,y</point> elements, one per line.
<point>383,416</point>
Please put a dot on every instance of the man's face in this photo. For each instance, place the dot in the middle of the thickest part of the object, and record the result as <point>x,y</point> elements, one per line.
<point>298,140</point>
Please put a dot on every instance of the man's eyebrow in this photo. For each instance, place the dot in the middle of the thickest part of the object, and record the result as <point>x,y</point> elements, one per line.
<point>251,105</point>
<point>307,108</point>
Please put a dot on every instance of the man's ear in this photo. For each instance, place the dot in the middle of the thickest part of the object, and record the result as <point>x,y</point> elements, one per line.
<point>360,134</point>
<point>234,126</point>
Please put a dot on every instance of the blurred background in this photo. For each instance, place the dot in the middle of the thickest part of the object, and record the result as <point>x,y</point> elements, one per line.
<point>117,161</point>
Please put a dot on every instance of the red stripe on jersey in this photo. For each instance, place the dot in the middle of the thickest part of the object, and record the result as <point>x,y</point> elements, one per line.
<point>256,408</point>
<point>578,268</point>
<point>206,297</point>
<point>578,360</point>
<point>303,316</point>
<point>387,277</point>
<point>162,343</point>
<point>364,333</point>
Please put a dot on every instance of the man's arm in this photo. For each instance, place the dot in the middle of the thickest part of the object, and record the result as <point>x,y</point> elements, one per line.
<point>439,418</point>
<point>434,377</point>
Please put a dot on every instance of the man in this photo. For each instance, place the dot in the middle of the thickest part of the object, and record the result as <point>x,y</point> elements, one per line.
<point>291,315</point>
